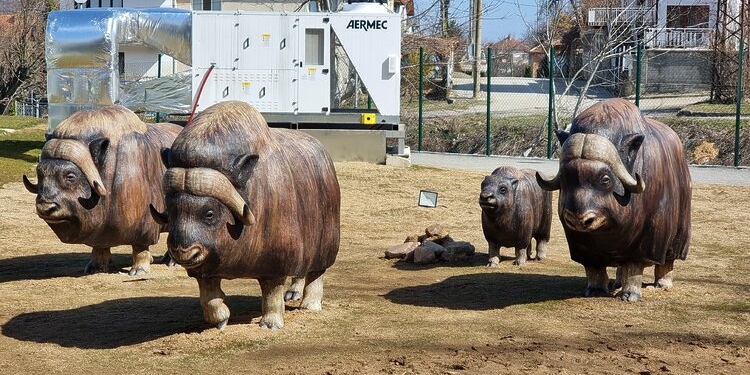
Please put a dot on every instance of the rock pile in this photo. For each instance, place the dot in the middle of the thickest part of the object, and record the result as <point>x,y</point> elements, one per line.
<point>432,246</point>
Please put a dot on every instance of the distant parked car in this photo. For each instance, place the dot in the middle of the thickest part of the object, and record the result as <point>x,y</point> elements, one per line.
<point>466,65</point>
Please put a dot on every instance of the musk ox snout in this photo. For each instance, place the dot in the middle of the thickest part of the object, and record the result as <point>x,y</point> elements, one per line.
<point>46,208</point>
<point>587,221</point>
<point>189,256</point>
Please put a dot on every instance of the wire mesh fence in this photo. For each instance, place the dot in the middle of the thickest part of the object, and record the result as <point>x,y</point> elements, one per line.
<point>514,108</point>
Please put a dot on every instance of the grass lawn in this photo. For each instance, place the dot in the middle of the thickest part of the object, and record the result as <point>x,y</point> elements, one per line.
<point>20,147</point>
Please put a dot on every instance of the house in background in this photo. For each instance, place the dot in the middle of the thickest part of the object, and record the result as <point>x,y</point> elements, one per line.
<point>510,58</point>
<point>678,36</point>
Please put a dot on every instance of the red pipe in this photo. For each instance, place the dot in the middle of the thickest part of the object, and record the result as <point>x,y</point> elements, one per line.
<point>198,94</point>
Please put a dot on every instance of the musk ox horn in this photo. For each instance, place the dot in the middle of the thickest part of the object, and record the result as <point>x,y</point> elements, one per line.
<point>211,183</point>
<point>549,185</point>
<point>31,187</point>
<point>596,147</point>
<point>79,155</point>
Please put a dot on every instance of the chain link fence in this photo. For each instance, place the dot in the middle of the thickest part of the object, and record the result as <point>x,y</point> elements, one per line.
<point>514,108</point>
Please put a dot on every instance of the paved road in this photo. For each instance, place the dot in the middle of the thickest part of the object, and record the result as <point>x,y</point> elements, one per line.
<point>524,96</point>
<point>700,174</point>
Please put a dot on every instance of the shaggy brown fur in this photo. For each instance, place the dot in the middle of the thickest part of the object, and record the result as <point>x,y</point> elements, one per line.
<point>126,153</point>
<point>515,210</point>
<point>634,230</point>
<point>289,184</point>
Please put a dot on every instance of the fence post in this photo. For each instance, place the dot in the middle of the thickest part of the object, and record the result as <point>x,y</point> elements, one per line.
<point>738,109</point>
<point>489,94</point>
<point>551,105</point>
<point>421,78</point>
<point>158,74</point>
<point>638,62</point>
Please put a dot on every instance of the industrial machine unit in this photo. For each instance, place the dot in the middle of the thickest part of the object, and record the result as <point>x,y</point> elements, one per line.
<point>303,70</point>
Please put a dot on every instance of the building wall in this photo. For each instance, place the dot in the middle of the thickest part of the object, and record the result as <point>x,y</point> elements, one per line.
<point>676,71</point>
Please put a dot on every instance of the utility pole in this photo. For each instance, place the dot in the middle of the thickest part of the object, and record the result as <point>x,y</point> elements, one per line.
<point>475,71</point>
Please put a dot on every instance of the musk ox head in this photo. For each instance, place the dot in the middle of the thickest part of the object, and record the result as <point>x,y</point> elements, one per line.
<point>70,183</point>
<point>595,185</point>
<point>203,209</point>
<point>498,191</point>
<point>208,167</point>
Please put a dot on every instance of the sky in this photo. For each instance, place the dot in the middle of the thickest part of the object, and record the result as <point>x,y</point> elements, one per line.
<point>501,17</point>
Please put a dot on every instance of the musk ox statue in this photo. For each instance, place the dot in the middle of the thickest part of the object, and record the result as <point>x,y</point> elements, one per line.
<point>515,210</point>
<point>247,201</point>
<point>96,176</point>
<point>625,196</point>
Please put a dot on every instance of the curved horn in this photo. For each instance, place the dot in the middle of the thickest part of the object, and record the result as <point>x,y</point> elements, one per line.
<point>596,147</point>
<point>31,187</point>
<point>549,185</point>
<point>211,183</point>
<point>79,155</point>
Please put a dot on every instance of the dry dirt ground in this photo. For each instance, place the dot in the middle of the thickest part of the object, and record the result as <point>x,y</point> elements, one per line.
<point>382,316</point>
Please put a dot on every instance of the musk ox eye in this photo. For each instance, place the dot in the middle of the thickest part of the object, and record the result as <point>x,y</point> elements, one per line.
<point>503,190</point>
<point>209,215</point>
<point>70,177</point>
<point>605,180</point>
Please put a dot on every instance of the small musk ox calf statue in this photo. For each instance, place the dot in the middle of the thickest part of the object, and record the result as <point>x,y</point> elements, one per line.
<point>624,197</point>
<point>96,176</point>
<point>515,210</point>
<point>247,201</point>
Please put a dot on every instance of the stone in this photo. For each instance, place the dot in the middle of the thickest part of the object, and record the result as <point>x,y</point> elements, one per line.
<point>428,252</point>
<point>400,251</point>
<point>413,238</point>
<point>457,250</point>
<point>436,230</point>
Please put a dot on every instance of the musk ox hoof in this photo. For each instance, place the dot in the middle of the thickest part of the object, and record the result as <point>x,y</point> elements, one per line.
<point>630,296</point>
<point>663,284</point>
<point>494,262</point>
<point>292,295</point>
<point>596,292</point>
<point>93,268</point>
<point>167,259</point>
<point>137,271</point>
<point>222,324</point>
<point>519,262</point>
<point>271,323</point>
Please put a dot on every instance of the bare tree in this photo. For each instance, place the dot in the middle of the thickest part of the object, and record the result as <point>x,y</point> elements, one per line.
<point>22,63</point>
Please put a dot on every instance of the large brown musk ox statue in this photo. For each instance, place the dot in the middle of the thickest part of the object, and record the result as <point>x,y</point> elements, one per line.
<point>625,195</point>
<point>97,175</point>
<point>515,210</point>
<point>247,201</point>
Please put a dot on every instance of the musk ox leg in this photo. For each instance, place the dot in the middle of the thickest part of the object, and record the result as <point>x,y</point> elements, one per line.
<point>494,252</point>
<point>167,259</point>
<point>100,258</point>
<point>663,274</point>
<point>294,293</point>
<point>597,282</point>
<point>632,275</point>
<point>312,299</point>
<point>272,302</point>
<point>521,255</point>
<point>541,249</point>
<point>141,261</point>
<point>215,312</point>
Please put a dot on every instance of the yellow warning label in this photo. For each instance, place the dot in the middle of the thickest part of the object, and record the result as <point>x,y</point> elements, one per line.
<point>368,119</point>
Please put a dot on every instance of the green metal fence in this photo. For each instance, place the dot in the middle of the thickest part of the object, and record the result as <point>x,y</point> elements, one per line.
<point>517,116</point>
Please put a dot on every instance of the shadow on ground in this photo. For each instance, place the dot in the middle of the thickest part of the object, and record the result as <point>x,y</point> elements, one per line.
<point>488,291</point>
<point>13,149</point>
<point>49,266</point>
<point>122,322</point>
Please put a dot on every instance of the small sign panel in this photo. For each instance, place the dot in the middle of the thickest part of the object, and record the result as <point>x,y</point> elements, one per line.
<point>428,198</point>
